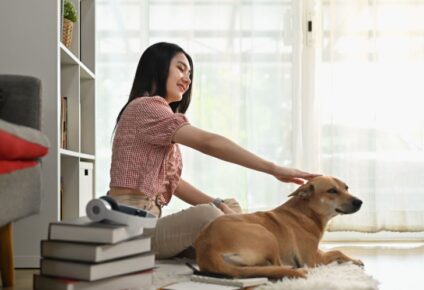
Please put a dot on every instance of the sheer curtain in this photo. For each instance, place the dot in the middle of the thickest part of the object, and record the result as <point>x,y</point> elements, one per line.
<point>346,102</point>
<point>370,87</point>
<point>246,64</point>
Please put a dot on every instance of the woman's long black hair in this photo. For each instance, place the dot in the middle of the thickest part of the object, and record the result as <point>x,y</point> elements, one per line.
<point>152,74</point>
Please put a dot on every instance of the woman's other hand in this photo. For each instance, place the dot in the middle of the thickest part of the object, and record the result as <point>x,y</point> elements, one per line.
<point>226,209</point>
<point>292,175</point>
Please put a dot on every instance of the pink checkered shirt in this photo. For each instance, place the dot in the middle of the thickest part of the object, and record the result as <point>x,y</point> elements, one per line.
<point>143,155</point>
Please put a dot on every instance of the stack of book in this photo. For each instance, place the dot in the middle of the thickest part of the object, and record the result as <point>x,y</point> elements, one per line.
<point>81,254</point>
<point>64,122</point>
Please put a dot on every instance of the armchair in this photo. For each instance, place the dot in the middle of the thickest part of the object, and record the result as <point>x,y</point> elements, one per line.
<point>21,145</point>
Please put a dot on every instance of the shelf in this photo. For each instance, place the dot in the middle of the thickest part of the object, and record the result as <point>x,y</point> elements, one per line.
<point>86,74</point>
<point>68,58</point>
<point>70,153</point>
<point>87,156</point>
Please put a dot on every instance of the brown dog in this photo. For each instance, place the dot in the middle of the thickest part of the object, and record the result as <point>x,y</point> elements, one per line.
<point>274,243</point>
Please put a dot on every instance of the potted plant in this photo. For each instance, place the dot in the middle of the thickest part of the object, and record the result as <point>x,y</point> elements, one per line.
<point>70,17</point>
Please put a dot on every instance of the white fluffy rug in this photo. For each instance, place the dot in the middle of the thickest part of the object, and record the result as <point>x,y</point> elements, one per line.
<point>331,277</point>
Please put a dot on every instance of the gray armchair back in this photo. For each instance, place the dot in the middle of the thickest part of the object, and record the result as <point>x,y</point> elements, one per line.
<point>20,196</point>
<point>20,100</point>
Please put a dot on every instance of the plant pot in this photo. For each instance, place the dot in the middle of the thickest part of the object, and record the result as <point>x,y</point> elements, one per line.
<point>67,32</point>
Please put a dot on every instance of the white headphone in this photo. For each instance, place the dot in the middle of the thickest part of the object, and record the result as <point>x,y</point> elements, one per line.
<point>106,208</point>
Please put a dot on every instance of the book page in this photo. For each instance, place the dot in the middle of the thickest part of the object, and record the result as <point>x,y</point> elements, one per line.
<point>190,285</point>
<point>239,282</point>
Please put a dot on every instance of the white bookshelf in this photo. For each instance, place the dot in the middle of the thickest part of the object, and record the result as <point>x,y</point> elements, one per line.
<point>77,83</point>
<point>32,46</point>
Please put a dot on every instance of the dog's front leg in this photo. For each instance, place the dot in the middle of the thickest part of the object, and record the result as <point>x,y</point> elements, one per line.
<point>335,256</point>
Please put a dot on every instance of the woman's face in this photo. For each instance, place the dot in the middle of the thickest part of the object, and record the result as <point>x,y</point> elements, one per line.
<point>178,80</point>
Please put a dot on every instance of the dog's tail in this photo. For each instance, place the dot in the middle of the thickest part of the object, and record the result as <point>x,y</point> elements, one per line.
<point>217,261</point>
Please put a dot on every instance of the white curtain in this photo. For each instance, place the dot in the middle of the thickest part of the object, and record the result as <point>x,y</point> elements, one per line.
<point>370,86</point>
<point>347,103</point>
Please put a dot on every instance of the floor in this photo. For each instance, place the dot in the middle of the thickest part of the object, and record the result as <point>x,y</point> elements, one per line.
<point>23,280</point>
<point>398,266</point>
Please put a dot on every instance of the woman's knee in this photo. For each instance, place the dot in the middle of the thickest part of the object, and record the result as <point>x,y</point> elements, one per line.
<point>205,213</point>
<point>176,232</point>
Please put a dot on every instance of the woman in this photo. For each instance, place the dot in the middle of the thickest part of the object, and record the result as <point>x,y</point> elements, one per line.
<point>146,161</point>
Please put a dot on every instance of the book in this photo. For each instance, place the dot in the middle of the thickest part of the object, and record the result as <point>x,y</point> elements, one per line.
<point>214,283</point>
<point>224,279</point>
<point>191,285</point>
<point>93,272</point>
<point>238,282</point>
<point>84,230</point>
<point>90,252</point>
<point>64,122</point>
<point>139,280</point>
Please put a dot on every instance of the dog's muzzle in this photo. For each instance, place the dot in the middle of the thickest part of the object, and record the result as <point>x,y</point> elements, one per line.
<point>356,203</point>
<point>354,206</point>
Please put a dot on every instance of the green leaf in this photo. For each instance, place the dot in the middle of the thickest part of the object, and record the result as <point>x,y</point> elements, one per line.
<point>70,12</point>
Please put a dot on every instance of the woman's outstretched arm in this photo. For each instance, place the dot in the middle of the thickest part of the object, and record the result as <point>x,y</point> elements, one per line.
<point>220,147</point>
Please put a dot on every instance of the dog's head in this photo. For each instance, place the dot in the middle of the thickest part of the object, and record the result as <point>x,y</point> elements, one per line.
<point>328,196</point>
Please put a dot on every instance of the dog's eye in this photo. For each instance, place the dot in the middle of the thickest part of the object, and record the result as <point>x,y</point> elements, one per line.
<point>332,191</point>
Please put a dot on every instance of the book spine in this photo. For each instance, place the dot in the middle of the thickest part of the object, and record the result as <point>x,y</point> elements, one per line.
<point>96,271</point>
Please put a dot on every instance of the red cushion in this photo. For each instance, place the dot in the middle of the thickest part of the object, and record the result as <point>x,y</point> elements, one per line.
<point>15,148</point>
<point>20,146</point>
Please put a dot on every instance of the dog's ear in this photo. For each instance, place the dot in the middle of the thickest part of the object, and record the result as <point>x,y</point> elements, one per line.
<point>304,191</point>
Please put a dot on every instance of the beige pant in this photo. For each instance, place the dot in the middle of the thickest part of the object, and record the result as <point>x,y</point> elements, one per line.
<point>176,232</point>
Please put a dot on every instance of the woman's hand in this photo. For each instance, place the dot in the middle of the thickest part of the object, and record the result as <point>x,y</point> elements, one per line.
<point>293,175</point>
<point>226,209</point>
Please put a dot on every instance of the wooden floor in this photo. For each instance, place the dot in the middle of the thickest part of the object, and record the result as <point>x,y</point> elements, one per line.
<point>397,266</point>
<point>23,279</point>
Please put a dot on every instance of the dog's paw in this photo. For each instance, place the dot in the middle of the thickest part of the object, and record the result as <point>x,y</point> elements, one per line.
<point>301,273</point>
<point>358,263</point>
